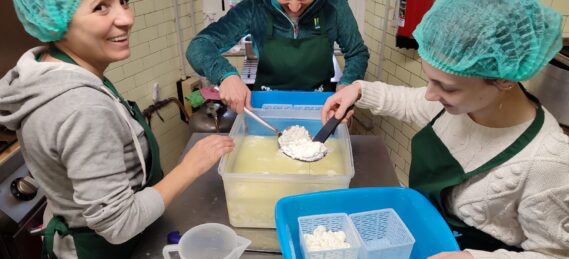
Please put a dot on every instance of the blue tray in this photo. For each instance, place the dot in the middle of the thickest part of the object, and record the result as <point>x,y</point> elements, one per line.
<point>258,98</point>
<point>432,234</point>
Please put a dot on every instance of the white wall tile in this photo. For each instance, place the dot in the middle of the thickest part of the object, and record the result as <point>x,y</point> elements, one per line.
<point>561,6</point>
<point>144,7</point>
<point>154,18</point>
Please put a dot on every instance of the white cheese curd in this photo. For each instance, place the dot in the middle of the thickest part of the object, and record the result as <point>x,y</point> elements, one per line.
<point>294,134</point>
<point>296,143</point>
<point>321,240</point>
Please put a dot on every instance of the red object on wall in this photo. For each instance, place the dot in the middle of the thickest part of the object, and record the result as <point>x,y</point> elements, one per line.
<point>411,13</point>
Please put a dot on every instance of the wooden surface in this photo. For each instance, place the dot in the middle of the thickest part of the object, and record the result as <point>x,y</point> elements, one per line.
<point>9,151</point>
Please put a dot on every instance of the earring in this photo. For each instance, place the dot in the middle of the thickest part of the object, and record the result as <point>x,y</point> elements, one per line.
<point>504,85</point>
<point>509,86</point>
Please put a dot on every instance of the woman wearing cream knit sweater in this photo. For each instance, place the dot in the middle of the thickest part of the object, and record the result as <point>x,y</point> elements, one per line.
<point>492,160</point>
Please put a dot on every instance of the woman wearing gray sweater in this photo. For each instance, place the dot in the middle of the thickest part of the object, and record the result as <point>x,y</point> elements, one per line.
<point>89,149</point>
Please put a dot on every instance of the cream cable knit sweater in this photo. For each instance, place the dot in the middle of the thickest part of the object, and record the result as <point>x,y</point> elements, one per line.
<point>523,202</point>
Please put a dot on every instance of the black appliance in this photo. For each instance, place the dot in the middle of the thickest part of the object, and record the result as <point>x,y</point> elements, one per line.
<point>21,210</point>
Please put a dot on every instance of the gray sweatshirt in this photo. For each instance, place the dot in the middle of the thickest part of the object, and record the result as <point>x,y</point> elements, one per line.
<point>78,147</point>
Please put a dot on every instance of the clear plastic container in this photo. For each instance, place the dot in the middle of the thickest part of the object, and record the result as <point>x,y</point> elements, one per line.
<point>209,240</point>
<point>383,234</point>
<point>333,222</point>
<point>256,175</point>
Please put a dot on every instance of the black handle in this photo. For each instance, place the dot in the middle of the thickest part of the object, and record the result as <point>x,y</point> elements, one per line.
<point>329,127</point>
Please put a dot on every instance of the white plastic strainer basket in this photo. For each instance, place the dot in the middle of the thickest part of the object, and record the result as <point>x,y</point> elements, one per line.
<point>383,234</point>
<point>333,222</point>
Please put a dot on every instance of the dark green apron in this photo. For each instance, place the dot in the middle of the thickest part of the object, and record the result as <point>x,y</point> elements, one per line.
<point>88,244</point>
<point>296,64</point>
<point>434,171</point>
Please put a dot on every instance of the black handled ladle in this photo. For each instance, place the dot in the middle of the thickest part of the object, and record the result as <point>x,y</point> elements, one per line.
<point>330,127</point>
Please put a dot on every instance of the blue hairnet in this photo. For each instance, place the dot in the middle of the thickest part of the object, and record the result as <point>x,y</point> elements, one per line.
<point>46,20</point>
<point>494,39</point>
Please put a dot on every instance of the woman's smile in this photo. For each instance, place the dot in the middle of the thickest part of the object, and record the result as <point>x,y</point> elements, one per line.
<point>120,41</point>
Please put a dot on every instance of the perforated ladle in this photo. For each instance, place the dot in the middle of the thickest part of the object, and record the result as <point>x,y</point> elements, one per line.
<point>273,129</point>
<point>276,131</point>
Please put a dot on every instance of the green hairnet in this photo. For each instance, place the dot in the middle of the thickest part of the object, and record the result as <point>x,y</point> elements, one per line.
<point>46,20</point>
<point>494,39</point>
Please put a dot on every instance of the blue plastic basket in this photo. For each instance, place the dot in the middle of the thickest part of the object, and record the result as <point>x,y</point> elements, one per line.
<point>332,222</point>
<point>430,231</point>
<point>383,234</point>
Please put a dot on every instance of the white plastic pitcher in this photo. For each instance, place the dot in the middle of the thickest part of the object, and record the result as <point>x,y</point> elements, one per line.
<point>210,240</point>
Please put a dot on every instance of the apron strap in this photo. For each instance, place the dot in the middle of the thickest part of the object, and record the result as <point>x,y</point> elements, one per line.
<point>432,122</point>
<point>269,27</point>
<point>137,145</point>
<point>523,140</point>
<point>514,148</point>
<point>156,170</point>
<point>321,22</point>
<point>55,225</point>
<point>88,244</point>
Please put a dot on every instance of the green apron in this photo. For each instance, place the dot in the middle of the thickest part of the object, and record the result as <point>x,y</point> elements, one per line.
<point>88,244</point>
<point>434,171</point>
<point>296,64</point>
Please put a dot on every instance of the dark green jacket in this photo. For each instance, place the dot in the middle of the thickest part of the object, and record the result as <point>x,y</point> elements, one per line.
<point>250,17</point>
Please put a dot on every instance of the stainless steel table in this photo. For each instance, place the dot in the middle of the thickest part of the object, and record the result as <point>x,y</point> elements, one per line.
<point>204,201</point>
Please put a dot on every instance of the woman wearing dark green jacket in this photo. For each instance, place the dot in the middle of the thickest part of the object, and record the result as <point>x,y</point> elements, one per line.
<point>294,41</point>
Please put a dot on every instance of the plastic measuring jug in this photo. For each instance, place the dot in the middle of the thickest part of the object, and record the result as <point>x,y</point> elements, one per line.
<point>210,240</point>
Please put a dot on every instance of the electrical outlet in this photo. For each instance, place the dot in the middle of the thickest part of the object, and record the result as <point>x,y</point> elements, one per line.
<point>156,93</point>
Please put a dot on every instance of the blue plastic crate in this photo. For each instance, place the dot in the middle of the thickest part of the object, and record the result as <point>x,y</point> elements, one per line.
<point>429,229</point>
<point>259,98</point>
<point>288,108</point>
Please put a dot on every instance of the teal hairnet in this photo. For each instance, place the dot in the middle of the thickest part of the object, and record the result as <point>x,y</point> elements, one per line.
<point>494,39</point>
<point>46,20</point>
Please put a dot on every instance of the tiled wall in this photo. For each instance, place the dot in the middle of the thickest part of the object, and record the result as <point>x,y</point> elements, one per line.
<point>155,59</point>
<point>401,67</point>
<point>561,6</point>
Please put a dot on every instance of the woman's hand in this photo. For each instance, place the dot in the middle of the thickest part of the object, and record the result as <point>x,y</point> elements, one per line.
<point>206,152</point>
<point>337,104</point>
<point>453,255</point>
<point>235,94</point>
<point>203,155</point>
<point>340,87</point>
